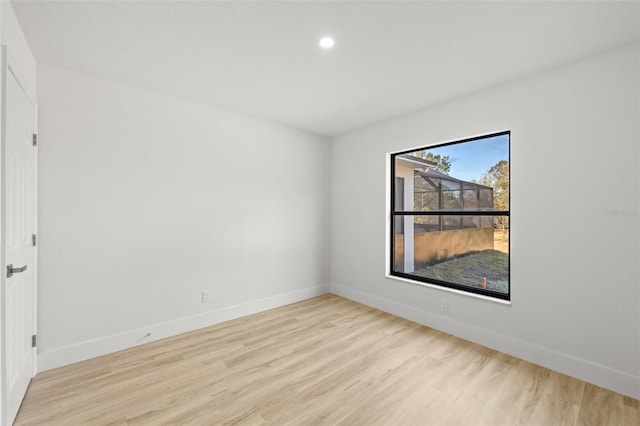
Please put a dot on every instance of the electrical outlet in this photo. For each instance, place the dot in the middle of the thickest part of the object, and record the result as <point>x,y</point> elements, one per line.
<point>444,305</point>
<point>206,297</point>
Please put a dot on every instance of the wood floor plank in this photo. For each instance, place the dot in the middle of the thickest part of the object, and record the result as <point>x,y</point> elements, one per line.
<point>322,361</point>
<point>597,408</point>
<point>560,401</point>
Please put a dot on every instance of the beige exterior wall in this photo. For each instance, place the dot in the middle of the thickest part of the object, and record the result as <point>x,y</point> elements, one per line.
<point>432,247</point>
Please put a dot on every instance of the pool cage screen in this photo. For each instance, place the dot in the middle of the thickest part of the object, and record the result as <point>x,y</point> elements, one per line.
<point>436,191</point>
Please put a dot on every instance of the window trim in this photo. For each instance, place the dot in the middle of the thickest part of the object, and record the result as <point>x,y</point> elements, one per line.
<point>392,214</point>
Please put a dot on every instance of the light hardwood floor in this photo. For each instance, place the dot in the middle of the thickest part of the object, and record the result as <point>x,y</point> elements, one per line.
<point>326,360</point>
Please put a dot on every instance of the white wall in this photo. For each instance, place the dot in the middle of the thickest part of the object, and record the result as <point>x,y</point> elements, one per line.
<point>17,46</point>
<point>146,200</point>
<point>574,224</point>
<point>408,259</point>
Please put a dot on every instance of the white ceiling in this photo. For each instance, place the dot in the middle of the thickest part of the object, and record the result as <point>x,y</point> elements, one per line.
<point>262,58</point>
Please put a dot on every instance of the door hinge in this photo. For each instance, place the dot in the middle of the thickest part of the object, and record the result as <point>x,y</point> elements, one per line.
<point>34,240</point>
<point>35,139</point>
<point>34,341</point>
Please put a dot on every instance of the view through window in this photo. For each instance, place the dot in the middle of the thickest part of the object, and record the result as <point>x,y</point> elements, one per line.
<point>450,215</point>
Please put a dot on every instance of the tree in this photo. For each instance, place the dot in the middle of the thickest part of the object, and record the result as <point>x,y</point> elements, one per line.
<point>442,163</point>
<point>497,177</point>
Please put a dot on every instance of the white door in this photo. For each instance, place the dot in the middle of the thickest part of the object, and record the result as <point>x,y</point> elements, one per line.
<point>19,217</point>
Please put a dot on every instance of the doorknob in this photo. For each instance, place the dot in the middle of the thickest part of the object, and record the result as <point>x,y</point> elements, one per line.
<point>11,270</point>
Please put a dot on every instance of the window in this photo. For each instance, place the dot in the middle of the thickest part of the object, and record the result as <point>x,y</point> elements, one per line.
<point>450,215</point>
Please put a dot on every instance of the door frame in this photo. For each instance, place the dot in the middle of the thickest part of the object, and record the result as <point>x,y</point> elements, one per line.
<point>9,66</point>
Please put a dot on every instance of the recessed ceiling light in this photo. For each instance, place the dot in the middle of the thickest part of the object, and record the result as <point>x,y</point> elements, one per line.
<point>327,42</point>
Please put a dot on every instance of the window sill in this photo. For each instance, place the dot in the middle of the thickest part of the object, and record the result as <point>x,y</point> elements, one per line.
<point>451,290</point>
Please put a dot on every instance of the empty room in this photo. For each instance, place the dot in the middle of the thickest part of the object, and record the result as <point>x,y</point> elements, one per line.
<point>320,212</point>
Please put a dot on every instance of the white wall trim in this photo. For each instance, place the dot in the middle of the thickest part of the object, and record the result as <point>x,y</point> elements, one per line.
<point>601,375</point>
<point>449,290</point>
<point>66,355</point>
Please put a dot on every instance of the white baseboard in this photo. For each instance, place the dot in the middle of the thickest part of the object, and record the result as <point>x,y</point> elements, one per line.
<point>59,357</point>
<point>601,375</point>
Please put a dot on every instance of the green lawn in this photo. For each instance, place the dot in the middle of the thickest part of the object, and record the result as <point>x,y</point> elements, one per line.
<point>471,269</point>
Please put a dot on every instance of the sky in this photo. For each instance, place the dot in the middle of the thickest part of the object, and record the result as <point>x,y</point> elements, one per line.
<point>469,160</point>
